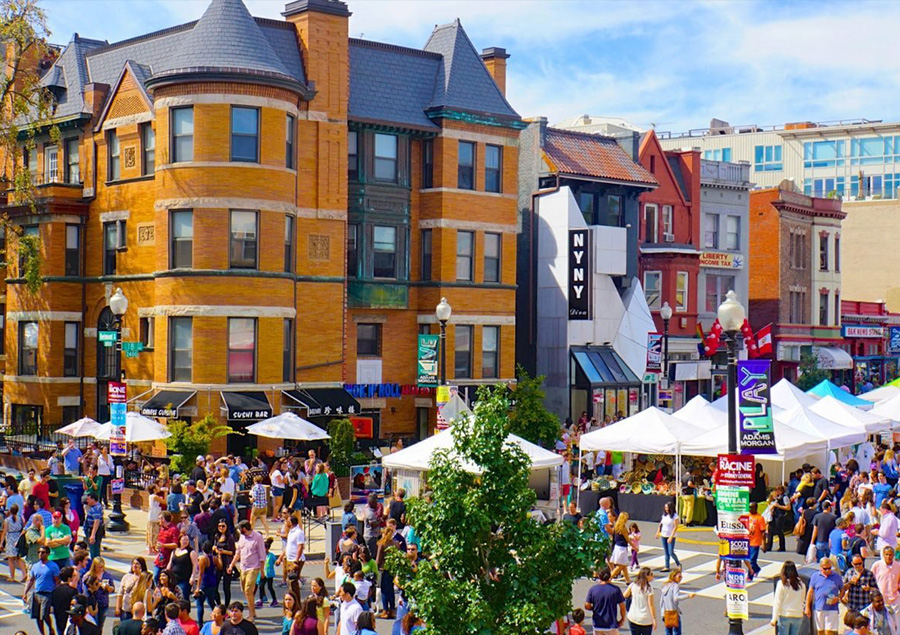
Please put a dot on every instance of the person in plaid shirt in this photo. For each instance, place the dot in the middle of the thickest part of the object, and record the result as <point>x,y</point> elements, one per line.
<point>858,585</point>
<point>259,502</point>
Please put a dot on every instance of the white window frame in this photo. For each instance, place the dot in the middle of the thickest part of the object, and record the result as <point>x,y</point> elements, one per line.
<point>658,303</point>
<point>668,219</point>
<point>682,276</point>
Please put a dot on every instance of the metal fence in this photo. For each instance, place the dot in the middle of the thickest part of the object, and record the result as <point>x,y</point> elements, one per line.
<point>32,438</point>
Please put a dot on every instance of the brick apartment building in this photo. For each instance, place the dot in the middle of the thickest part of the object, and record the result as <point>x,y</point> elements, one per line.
<point>282,206</point>
<point>795,280</point>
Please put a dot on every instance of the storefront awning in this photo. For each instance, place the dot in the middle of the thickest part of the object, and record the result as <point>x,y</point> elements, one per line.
<point>165,403</point>
<point>327,402</point>
<point>297,399</point>
<point>602,366</point>
<point>833,358</point>
<point>247,406</point>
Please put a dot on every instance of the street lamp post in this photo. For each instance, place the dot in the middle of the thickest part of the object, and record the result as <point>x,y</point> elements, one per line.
<point>118,304</point>
<point>731,316</point>
<point>443,311</point>
<point>666,314</point>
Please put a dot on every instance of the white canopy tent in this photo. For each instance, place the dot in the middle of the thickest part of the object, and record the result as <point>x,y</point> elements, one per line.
<point>790,441</point>
<point>417,457</point>
<point>697,413</point>
<point>650,431</point>
<point>84,427</point>
<point>889,408</point>
<point>287,425</point>
<point>786,395</point>
<point>850,416</point>
<point>138,428</point>
<point>880,394</point>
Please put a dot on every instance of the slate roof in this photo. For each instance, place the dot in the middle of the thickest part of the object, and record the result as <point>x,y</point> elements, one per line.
<point>388,84</point>
<point>463,80</point>
<point>391,84</point>
<point>675,164</point>
<point>226,37</point>
<point>592,155</point>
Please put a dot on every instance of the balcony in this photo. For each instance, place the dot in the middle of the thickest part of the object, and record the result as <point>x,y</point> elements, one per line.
<point>724,173</point>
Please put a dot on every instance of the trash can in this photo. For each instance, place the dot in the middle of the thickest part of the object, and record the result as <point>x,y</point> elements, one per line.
<point>243,505</point>
<point>74,491</point>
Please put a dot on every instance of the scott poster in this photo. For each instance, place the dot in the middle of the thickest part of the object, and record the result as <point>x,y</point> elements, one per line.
<point>757,431</point>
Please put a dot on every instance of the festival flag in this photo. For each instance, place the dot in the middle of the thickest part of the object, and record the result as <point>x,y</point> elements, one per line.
<point>764,340</point>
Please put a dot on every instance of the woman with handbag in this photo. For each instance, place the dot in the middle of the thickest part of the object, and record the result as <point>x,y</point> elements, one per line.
<point>12,534</point>
<point>642,612</point>
<point>804,528</point>
<point>671,596</point>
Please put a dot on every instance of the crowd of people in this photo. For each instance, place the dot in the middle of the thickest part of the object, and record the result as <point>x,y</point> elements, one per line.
<point>199,542</point>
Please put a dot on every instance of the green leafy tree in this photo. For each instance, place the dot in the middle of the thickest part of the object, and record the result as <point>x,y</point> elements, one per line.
<point>190,440</point>
<point>810,373</point>
<point>340,446</point>
<point>488,566</point>
<point>26,109</point>
<point>529,418</point>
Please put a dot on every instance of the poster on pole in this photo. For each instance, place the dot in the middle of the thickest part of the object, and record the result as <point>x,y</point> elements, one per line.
<point>427,367</point>
<point>654,352</point>
<point>117,396</point>
<point>757,430</point>
<point>443,397</point>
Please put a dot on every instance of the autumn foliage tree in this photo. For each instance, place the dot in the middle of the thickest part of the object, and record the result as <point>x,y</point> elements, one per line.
<point>488,566</point>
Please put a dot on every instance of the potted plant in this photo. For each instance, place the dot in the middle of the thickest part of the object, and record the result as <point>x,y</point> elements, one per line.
<point>340,451</point>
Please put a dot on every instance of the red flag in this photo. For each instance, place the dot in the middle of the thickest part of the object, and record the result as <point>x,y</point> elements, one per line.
<point>764,340</point>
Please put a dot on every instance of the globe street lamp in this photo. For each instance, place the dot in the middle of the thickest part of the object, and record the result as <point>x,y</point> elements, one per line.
<point>731,316</point>
<point>118,304</point>
<point>442,312</point>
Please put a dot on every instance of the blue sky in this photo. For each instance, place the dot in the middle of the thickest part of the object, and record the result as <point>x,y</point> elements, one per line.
<point>676,63</point>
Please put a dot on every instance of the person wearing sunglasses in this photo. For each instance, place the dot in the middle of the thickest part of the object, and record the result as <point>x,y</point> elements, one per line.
<point>823,596</point>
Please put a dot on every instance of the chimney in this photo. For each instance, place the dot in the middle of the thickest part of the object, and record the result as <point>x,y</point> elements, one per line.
<point>495,60</point>
<point>323,27</point>
<point>95,97</point>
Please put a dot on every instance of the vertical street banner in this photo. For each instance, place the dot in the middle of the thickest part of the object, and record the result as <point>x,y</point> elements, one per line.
<point>427,368</point>
<point>117,396</point>
<point>443,396</point>
<point>580,274</point>
<point>757,431</point>
<point>654,352</point>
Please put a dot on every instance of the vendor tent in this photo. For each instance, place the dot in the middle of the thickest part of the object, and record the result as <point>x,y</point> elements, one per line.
<point>786,395</point>
<point>650,431</point>
<point>137,428</point>
<point>417,457</point>
<point>845,414</point>
<point>287,425</point>
<point>698,413</point>
<point>880,394</point>
<point>889,408</point>
<point>827,388</point>
<point>84,427</point>
<point>895,383</point>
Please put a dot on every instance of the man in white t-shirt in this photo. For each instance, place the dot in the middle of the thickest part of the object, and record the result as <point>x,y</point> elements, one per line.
<point>293,557</point>
<point>350,610</point>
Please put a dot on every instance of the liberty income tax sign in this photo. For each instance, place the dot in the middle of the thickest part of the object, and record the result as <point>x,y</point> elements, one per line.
<point>735,470</point>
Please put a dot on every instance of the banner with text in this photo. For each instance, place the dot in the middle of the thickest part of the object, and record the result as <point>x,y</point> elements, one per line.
<point>580,274</point>
<point>427,372</point>
<point>654,352</point>
<point>757,430</point>
<point>117,396</point>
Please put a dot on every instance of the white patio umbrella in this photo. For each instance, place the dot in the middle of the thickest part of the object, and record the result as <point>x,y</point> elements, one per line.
<point>84,427</point>
<point>138,428</point>
<point>287,425</point>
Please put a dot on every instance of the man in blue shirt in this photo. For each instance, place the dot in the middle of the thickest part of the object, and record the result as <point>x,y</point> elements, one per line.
<point>14,498</point>
<point>881,489</point>
<point>39,510</point>
<point>604,600</point>
<point>43,578</point>
<point>93,525</point>
<point>72,458</point>
<point>823,596</point>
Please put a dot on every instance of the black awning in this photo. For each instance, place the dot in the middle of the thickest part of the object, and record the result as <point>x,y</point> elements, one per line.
<point>165,403</point>
<point>247,406</point>
<point>332,401</point>
<point>302,400</point>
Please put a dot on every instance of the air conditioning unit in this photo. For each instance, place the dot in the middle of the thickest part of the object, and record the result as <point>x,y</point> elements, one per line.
<point>669,238</point>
